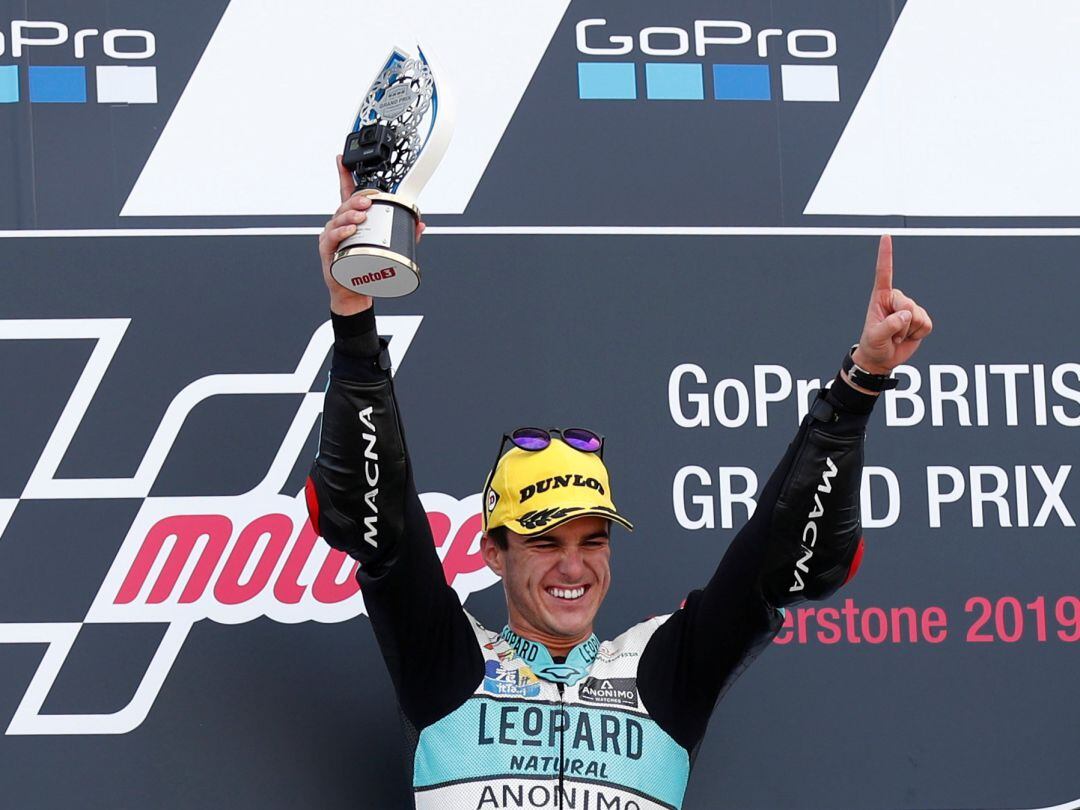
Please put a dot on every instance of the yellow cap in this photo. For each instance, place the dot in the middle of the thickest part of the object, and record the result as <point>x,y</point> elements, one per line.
<point>533,491</point>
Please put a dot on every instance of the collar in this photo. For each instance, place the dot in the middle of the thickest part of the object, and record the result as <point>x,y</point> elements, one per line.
<point>577,664</point>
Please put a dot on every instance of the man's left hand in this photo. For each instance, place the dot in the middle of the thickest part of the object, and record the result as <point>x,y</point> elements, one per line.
<point>895,324</point>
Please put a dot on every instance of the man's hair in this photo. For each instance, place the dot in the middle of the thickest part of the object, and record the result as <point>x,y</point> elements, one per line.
<point>500,536</point>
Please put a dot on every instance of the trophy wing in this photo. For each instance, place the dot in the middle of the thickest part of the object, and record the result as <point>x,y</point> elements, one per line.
<point>406,98</point>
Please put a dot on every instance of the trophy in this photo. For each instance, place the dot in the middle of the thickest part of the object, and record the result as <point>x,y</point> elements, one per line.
<point>399,136</point>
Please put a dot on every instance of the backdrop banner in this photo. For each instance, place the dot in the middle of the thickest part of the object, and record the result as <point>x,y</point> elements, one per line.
<point>658,224</point>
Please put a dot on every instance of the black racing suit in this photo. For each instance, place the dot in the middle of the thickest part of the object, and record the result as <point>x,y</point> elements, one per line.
<point>491,721</point>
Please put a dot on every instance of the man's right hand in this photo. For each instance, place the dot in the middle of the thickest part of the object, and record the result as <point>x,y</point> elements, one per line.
<point>351,213</point>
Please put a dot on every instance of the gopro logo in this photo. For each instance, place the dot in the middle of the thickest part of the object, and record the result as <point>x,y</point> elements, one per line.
<point>117,43</point>
<point>673,41</point>
<point>44,83</point>
<point>690,81</point>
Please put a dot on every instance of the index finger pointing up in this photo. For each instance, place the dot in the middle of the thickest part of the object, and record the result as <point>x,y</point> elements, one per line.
<point>883,275</point>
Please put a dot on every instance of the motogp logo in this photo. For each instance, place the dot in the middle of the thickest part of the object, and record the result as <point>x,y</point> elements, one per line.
<point>227,559</point>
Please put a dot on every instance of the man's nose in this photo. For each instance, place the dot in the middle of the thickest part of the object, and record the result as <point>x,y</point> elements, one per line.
<point>571,563</point>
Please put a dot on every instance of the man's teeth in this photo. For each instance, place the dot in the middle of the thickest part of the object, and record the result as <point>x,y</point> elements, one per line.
<point>567,593</point>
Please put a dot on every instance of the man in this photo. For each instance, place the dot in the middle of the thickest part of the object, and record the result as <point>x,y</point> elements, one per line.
<point>543,714</point>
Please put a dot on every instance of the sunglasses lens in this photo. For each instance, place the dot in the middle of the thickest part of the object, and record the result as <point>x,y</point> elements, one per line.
<point>584,440</point>
<point>530,438</point>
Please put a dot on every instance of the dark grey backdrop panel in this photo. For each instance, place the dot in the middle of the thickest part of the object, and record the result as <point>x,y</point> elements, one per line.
<point>72,165</point>
<point>549,330</point>
<point>708,162</point>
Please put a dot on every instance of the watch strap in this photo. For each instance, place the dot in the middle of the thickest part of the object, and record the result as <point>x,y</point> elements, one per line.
<point>864,379</point>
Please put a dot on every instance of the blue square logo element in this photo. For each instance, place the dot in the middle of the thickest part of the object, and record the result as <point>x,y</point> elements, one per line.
<point>741,82</point>
<point>666,80</point>
<point>9,84</point>
<point>606,80</point>
<point>58,84</point>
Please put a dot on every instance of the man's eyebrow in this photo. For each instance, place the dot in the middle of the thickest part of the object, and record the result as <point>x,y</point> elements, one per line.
<point>544,538</point>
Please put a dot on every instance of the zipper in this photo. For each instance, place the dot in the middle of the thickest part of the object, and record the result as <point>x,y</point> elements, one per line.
<point>562,744</point>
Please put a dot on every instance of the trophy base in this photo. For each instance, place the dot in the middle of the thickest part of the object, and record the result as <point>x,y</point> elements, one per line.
<point>375,272</point>
<point>380,258</point>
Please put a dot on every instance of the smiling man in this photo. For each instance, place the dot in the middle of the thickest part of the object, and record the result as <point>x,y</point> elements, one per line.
<point>547,535</point>
<point>542,714</point>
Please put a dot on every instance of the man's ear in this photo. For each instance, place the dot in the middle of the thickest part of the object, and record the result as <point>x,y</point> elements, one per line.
<point>492,554</point>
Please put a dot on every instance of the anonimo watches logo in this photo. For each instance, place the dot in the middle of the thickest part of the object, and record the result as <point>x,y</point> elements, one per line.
<point>720,60</point>
<point>619,691</point>
<point>52,46</point>
<point>229,559</point>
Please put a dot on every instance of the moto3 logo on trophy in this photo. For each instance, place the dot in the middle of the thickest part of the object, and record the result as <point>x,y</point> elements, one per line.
<point>399,136</point>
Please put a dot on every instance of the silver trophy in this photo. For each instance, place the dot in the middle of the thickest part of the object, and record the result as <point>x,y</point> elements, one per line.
<point>399,136</point>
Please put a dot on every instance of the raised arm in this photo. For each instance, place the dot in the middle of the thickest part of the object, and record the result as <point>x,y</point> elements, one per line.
<point>804,540</point>
<point>362,500</point>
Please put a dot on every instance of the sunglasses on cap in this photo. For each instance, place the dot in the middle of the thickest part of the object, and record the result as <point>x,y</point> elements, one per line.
<point>532,439</point>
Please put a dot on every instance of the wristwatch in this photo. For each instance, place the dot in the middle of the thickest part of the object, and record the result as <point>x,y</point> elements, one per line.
<point>863,378</point>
